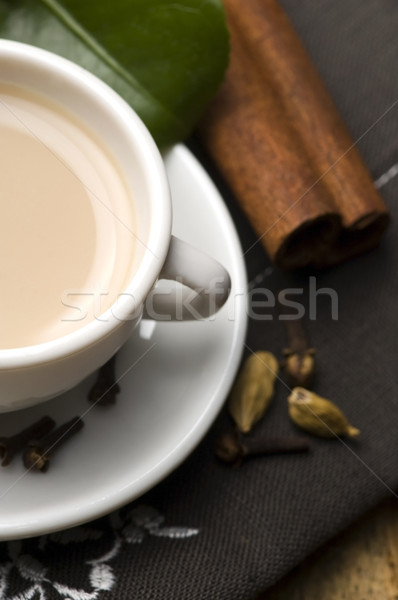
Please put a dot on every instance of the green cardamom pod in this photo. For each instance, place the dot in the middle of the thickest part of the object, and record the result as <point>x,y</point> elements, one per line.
<point>318,415</point>
<point>253,390</point>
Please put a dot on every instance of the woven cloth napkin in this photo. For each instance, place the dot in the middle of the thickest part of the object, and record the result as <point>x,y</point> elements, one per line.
<point>210,532</point>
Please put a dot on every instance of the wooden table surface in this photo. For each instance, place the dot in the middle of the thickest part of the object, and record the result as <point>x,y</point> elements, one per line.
<point>360,564</point>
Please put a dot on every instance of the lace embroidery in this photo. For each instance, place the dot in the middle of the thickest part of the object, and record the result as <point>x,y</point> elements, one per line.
<point>34,578</point>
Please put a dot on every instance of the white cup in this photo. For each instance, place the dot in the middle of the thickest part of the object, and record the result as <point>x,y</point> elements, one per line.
<point>32,374</point>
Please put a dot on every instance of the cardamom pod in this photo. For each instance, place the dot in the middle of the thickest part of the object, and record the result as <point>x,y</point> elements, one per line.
<point>318,415</point>
<point>253,390</point>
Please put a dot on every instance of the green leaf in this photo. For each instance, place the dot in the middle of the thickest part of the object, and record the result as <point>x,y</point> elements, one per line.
<point>164,58</point>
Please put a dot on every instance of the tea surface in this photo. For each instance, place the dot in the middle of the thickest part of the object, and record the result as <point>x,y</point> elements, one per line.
<point>67,221</point>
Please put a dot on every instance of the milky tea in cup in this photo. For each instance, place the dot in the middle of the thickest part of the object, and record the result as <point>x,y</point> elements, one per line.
<point>85,229</point>
<point>67,222</point>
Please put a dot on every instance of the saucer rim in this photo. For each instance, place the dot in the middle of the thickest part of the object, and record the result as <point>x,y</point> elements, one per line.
<point>117,497</point>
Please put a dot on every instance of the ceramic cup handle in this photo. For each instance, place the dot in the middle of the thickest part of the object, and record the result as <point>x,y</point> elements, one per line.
<point>205,286</point>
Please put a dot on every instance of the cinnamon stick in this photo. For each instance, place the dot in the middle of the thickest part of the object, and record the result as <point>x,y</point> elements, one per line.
<point>281,144</point>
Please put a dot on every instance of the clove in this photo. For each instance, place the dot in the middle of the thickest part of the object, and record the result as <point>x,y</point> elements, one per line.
<point>233,448</point>
<point>105,389</point>
<point>10,446</point>
<point>298,363</point>
<point>38,452</point>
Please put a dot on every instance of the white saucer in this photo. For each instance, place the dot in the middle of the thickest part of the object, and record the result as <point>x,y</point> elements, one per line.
<point>174,380</point>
